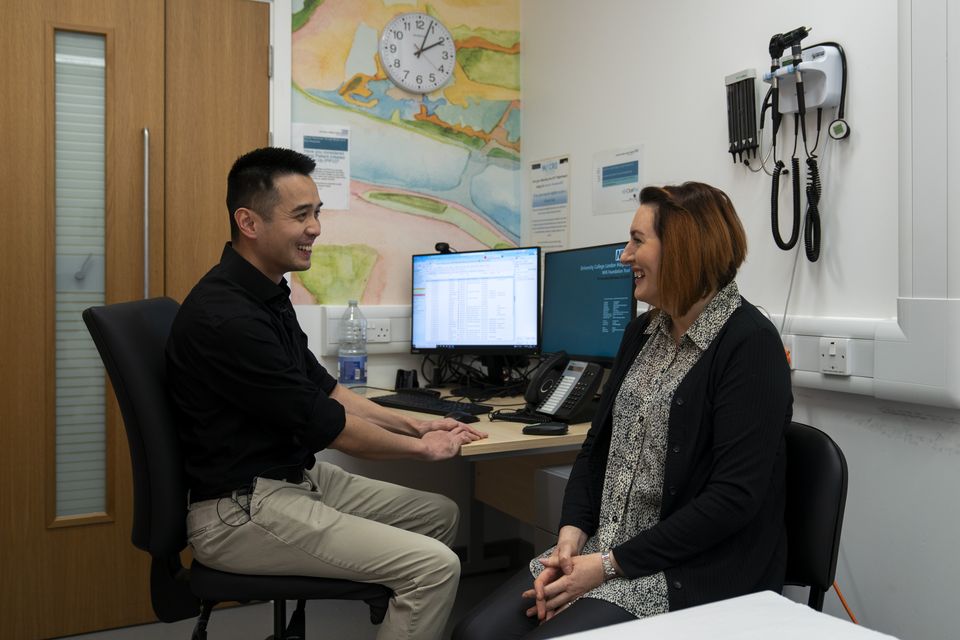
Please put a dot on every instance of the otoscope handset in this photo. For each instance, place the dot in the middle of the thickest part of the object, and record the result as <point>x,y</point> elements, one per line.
<point>778,44</point>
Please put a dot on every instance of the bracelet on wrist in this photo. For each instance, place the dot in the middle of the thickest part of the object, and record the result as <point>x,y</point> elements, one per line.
<point>609,571</point>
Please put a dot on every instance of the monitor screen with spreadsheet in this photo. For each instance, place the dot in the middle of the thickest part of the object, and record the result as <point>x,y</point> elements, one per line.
<point>476,302</point>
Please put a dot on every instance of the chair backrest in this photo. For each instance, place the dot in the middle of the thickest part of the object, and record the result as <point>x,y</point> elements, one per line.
<point>816,496</point>
<point>131,338</point>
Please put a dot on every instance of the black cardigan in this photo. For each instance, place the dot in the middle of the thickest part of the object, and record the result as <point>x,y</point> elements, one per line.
<point>721,532</point>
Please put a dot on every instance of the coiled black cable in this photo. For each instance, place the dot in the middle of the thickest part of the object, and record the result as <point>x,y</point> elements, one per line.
<point>795,179</point>
<point>775,208</point>
<point>811,223</point>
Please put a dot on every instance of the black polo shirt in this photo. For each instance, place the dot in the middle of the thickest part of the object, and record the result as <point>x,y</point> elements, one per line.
<point>254,399</point>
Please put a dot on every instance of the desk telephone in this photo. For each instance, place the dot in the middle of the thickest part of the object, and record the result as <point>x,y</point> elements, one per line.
<point>564,388</point>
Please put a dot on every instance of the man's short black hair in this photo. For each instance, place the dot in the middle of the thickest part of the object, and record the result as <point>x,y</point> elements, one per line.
<point>250,182</point>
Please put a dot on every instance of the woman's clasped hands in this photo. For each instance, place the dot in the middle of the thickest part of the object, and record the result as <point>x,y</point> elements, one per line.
<point>566,575</point>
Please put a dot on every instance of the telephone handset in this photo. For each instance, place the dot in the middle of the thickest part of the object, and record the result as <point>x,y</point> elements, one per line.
<point>564,388</point>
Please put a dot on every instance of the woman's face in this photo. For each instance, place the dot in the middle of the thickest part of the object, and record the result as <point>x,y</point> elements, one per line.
<point>642,255</point>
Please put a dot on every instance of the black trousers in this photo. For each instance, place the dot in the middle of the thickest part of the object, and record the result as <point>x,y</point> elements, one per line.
<point>502,615</point>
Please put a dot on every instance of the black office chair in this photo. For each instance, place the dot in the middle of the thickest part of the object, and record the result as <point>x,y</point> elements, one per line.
<point>131,338</point>
<point>816,495</point>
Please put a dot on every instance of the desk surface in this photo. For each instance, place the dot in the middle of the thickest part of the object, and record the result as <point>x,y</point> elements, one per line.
<point>508,437</point>
<point>758,616</point>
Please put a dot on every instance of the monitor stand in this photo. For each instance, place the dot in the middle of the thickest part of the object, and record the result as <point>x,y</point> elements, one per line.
<point>498,380</point>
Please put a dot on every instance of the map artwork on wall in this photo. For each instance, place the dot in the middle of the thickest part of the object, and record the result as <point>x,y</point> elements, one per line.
<point>439,167</point>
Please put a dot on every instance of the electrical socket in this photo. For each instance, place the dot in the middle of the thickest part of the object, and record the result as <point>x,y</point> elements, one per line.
<point>834,356</point>
<point>378,330</point>
<point>396,341</point>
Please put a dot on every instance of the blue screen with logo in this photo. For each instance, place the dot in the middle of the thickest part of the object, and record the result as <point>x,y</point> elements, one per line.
<point>587,302</point>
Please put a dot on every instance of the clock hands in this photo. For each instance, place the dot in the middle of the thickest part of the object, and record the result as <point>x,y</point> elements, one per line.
<point>422,49</point>
<point>424,41</point>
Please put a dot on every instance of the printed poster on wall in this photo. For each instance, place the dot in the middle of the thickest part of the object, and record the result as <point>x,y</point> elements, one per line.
<point>616,180</point>
<point>329,146</point>
<point>550,203</point>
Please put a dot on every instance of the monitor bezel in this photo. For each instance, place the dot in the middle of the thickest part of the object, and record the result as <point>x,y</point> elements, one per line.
<point>481,350</point>
<point>606,361</point>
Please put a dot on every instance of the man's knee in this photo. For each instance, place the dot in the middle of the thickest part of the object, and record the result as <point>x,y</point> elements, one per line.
<point>448,518</point>
<point>442,566</point>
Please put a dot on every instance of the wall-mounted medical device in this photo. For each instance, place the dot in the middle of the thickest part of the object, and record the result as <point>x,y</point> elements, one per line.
<point>823,68</point>
<point>801,79</point>
<point>822,74</point>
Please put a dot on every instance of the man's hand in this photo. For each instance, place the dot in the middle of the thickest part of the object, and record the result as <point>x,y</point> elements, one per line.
<point>445,424</point>
<point>440,445</point>
<point>570,542</point>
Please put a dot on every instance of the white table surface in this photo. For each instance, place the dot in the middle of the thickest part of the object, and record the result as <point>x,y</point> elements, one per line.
<point>758,616</point>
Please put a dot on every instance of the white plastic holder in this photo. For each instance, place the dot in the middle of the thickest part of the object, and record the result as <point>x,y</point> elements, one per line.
<point>822,73</point>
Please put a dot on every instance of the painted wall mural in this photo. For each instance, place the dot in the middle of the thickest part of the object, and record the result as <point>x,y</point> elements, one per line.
<point>423,169</point>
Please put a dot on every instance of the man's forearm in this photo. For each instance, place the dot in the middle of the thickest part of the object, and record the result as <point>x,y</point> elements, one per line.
<point>372,412</point>
<point>364,439</point>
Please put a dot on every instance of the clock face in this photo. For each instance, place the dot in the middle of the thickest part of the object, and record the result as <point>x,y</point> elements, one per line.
<point>417,52</point>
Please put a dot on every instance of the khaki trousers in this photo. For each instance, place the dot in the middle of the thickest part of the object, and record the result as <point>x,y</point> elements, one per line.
<point>338,525</point>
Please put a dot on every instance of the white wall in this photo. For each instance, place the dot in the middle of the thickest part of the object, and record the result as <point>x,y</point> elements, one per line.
<point>615,73</point>
<point>625,72</point>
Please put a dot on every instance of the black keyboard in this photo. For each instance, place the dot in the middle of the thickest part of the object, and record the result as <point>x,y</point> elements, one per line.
<point>429,404</point>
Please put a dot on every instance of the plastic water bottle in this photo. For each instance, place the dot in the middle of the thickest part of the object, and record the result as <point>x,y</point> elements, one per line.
<point>352,355</point>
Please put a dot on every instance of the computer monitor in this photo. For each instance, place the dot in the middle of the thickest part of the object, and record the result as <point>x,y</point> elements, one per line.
<point>587,302</point>
<point>482,303</point>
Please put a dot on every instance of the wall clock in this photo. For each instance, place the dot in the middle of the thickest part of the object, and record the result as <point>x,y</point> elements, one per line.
<point>417,52</point>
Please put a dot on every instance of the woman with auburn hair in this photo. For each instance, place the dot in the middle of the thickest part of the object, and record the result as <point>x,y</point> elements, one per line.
<point>677,496</point>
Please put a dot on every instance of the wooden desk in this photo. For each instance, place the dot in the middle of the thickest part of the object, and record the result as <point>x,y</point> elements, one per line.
<point>508,438</point>
<point>505,463</point>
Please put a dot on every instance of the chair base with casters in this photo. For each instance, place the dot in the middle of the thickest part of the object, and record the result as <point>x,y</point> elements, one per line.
<point>213,586</point>
<point>816,497</point>
<point>131,338</point>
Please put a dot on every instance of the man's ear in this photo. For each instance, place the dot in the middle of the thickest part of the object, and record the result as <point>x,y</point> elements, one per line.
<point>247,221</point>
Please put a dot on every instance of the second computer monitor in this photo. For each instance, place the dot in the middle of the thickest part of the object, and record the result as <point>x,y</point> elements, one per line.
<point>587,302</point>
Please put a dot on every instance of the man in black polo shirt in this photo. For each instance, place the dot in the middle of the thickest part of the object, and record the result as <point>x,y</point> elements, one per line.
<point>257,405</point>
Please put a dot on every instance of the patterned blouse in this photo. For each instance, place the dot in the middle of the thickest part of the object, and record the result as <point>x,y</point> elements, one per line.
<point>633,484</point>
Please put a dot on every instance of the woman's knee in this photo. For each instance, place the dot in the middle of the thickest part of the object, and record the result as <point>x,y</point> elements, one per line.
<point>501,615</point>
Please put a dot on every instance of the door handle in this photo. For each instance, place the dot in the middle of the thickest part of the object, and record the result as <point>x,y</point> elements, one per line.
<point>146,212</point>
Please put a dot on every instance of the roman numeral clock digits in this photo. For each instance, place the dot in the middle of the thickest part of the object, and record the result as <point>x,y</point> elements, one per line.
<point>417,52</point>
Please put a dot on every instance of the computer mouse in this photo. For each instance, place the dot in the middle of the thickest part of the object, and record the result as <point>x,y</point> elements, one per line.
<point>462,416</point>
<point>545,429</point>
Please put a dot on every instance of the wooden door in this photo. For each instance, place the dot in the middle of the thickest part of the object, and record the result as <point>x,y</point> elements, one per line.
<point>217,108</point>
<point>71,574</point>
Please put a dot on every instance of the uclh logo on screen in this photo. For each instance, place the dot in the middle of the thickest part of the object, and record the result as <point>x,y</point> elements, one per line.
<point>617,253</point>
